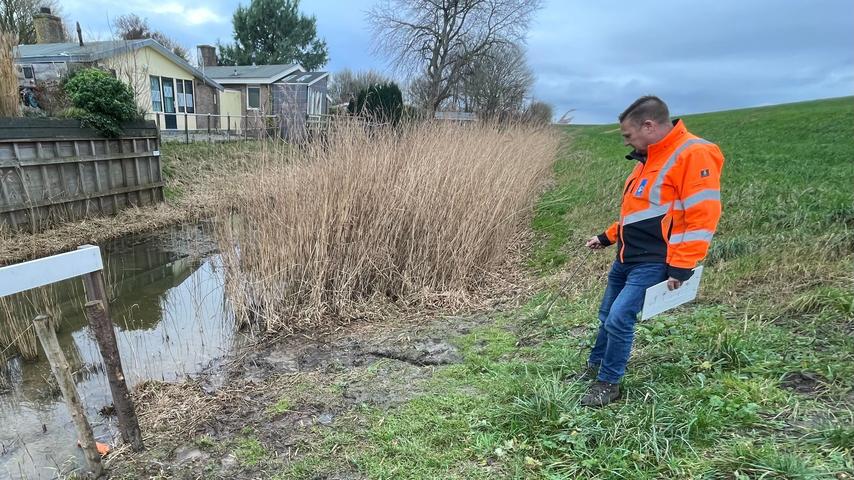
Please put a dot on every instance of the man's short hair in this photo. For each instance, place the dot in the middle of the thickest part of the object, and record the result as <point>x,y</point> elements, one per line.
<point>648,107</point>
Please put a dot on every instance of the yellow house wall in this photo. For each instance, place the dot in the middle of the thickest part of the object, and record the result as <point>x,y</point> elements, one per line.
<point>137,66</point>
<point>230,108</point>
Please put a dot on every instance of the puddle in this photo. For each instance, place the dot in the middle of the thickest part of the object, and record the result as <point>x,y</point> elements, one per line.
<point>172,320</point>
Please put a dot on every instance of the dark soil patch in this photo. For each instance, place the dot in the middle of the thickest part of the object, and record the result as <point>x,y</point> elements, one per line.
<point>804,382</point>
<point>281,395</point>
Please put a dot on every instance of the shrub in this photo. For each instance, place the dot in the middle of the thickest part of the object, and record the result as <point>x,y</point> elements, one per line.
<point>104,101</point>
<point>381,103</point>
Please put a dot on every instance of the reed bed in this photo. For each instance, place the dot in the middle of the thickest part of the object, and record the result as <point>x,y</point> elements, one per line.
<point>9,101</point>
<point>367,218</point>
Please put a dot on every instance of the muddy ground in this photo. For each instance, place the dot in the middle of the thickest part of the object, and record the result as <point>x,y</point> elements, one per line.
<point>284,394</point>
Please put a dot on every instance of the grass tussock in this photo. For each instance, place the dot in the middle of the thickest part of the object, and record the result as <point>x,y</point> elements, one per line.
<point>8,80</point>
<point>420,214</point>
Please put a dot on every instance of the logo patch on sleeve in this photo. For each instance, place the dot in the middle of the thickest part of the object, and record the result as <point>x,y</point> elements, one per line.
<point>704,173</point>
<point>639,190</point>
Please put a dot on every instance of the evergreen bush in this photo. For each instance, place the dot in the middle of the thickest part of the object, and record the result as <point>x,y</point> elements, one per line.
<point>101,101</point>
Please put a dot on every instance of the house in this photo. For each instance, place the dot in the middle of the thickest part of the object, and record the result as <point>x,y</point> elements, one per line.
<point>166,87</point>
<point>286,92</point>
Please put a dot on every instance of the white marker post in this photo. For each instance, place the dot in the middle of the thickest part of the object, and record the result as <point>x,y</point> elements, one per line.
<point>44,271</point>
<point>86,262</point>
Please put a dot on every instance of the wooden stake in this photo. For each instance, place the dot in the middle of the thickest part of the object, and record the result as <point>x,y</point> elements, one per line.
<point>60,369</point>
<point>98,313</point>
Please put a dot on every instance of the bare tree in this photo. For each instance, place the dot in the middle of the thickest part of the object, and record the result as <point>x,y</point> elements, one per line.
<point>437,39</point>
<point>346,84</point>
<point>496,84</point>
<point>132,27</point>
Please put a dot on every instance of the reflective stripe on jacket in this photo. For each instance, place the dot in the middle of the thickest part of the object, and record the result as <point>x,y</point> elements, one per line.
<point>671,204</point>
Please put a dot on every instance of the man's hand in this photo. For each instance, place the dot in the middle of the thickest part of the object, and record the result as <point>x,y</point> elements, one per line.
<point>594,243</point>
<point>673,284</point>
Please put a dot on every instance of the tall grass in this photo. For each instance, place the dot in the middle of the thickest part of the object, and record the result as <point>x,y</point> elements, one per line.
<point>8,80</point>
<point>364,218</point>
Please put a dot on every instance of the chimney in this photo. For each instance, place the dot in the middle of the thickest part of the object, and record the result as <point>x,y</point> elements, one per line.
<point>79,34</point>
<point>208,55</point>
<point>48,27</point>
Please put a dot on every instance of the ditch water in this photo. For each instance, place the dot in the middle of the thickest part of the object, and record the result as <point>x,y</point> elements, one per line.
<point>172,321</point>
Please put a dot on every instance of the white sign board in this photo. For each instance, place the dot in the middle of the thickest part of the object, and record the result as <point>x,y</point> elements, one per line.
<point>47,270</point>
<point>659,299</point>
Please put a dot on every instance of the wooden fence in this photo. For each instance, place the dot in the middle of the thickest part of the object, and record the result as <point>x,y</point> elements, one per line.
<point>53,170</point>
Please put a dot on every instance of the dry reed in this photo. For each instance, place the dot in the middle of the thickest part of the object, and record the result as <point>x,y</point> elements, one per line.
<point>364,219</point>
<point>9,99</point>
<point>16,320</point>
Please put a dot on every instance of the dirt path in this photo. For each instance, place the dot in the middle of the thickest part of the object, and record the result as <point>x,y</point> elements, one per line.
<point>282,396</point>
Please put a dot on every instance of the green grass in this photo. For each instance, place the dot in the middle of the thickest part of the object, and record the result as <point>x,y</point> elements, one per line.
<point>189,167</point>
<point>283,405</point>
<point>249,451</point>
<point>704,396</point>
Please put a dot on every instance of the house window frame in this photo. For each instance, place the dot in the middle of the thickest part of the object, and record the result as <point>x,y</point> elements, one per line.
<point>28,68</point>
<point>179,95</point>
<point>190,98</point>
<point>185,102</point>
<point>249,107</point>
<point>159,92</point>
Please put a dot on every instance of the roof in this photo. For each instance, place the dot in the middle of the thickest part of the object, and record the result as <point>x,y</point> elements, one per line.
<point>306,78</point>
<point>251,73</point>
<point>93,51</point>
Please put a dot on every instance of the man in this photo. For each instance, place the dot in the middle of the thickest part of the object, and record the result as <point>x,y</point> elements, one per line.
<point>670,209</point>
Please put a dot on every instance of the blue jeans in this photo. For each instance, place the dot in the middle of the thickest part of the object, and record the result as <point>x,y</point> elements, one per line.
<point>623,300</point>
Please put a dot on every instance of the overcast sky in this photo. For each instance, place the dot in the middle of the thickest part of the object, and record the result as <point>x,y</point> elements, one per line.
<point>594,57</point>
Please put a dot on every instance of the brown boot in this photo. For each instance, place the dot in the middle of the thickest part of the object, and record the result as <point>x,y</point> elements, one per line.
<point>600,394</point>
<point>589,374</point>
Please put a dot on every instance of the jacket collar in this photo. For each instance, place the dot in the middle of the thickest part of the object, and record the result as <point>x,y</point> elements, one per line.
<point>636,155</point>
<point>674,137</point>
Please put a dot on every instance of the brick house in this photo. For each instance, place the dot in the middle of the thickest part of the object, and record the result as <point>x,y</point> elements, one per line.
<point>287,92</point>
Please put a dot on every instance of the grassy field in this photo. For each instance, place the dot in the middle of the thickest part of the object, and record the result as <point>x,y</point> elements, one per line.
<point>755,380</point>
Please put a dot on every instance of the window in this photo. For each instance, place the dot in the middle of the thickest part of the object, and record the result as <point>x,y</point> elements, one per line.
<point>315,102</point>
<point>28,72</point>
<point>179,90</point>
<point>184,91</point>
<point>253,98</point>
<point>156,102</point>
<point>188,96</point>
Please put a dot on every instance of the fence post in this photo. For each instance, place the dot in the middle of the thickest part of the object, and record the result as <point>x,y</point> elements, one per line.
<point>186,129</point>
<point>228,132</point>
<point>210,140</point>
<point>60,369</point>
<point>98,313</point>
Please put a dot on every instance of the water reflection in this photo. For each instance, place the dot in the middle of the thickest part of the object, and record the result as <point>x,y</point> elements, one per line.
<point>172,320</point>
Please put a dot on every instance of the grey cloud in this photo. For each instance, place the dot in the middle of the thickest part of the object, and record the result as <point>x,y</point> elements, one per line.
<point>597,57</point>
<point>698,56</point>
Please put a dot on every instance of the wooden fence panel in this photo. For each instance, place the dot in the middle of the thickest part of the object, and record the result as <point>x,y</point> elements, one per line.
<point>54,170</point>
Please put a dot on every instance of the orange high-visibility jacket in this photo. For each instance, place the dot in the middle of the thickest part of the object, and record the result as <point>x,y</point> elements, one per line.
<point>671,204</point>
